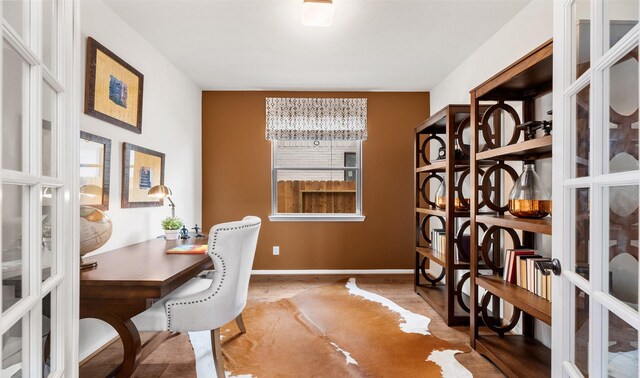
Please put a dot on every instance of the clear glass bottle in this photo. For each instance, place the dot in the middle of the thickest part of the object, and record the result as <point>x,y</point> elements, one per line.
<point>529,198</point>
<point>441,199</point>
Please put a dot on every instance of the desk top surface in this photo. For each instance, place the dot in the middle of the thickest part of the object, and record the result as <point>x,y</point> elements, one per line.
<point>142,264</point>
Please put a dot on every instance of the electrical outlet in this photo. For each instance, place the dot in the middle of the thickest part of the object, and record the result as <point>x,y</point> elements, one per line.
<point>276,250</point>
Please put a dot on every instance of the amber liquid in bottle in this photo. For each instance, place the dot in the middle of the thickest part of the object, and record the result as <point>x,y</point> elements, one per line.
<point>530,208</point>
<point>459,205</point>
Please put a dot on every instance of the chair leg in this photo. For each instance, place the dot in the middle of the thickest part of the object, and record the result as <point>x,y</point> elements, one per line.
<point>216,348</point>
<point>240,323</point>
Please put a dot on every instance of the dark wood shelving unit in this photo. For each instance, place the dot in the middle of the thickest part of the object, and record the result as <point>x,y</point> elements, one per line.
<point>516,355</point>
<point>524,81</point>
<point>440,212</point>
<point>444,292</point>
<point>540,226</point>
<point>533,149</point>
<point>439,258</point>
<point>434,295</point>
<point>442,166</point>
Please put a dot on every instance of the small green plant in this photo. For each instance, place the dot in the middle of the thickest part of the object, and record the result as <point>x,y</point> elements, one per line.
<point>172,223</point>
<point>46,229</point>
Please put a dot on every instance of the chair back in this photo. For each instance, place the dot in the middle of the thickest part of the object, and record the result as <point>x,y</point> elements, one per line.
<point>232,247</point>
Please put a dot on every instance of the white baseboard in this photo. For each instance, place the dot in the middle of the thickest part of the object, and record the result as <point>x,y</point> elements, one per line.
<point>331,271</point>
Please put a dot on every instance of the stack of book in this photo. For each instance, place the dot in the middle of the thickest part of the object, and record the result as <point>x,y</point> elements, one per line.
<point>520,269</point>
<point>438,241</point>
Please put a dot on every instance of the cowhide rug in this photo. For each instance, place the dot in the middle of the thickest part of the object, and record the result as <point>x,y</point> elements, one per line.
<point>337,330</point>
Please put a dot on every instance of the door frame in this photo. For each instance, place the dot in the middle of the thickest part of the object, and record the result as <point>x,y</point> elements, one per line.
<point>65,78</point>
<point>600,302</point>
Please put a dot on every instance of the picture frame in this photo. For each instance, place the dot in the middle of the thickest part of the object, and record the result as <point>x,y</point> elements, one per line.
<point>113,88</point>
<point>142,169</point>
<point>95,170</point>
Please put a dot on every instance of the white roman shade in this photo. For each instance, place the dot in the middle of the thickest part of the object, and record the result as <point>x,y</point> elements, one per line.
<point>316,118</point>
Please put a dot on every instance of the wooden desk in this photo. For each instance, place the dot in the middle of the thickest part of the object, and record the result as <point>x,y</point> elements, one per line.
<point>128,280</point>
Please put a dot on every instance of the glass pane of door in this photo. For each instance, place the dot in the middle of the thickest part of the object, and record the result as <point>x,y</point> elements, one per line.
<point>623,114</point>
<point>581,340</point>
<point>622,16</point>
<point>16,12</point>
<point>49,34</point>
<point>14,350</point>
<point>622,358</point>
<point>582,235</point>
<point>582,133</point>
<point>15,110</point>
<point>48,335</point>
<point>623,243</point>
<point>49,231</point>
<point>15,244</point>
<point>49,109</point>
<point>581,21</point>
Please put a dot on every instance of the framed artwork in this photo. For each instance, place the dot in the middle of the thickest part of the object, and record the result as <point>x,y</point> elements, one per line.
<point>350,161</point>
<point>142,169</point>
<point>95,170</point>
<point>113,89</point>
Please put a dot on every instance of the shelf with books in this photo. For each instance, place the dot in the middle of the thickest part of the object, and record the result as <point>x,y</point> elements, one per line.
<point>433,255</point>
<point>440,258</point>
<point>523,299</point>
<point>503,136</point>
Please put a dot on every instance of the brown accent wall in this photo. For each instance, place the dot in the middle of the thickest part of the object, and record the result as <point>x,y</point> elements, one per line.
<point>236,170</point>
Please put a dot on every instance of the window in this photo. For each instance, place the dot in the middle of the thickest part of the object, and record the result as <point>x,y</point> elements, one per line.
<point>317,160</point>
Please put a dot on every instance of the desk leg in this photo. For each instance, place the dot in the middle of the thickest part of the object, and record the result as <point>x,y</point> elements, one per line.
<point>130,341</point>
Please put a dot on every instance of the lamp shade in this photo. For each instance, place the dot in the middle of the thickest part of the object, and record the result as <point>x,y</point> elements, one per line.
<point>159,191</point>
<point>317,12</point>
<point>91,190</point>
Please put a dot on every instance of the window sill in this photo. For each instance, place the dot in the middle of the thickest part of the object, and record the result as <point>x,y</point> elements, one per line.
<point>317,218</point>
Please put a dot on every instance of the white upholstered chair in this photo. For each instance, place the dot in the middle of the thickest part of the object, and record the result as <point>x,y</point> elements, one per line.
<point>206,304</point>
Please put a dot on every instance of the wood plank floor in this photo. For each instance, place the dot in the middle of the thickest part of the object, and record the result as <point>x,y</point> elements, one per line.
<point>175,357</point>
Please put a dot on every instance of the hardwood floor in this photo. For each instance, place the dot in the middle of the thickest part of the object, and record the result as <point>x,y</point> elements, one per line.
<point>175,357</point>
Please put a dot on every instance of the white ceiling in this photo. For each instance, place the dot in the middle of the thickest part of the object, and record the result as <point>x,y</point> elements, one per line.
<point>407,45</point>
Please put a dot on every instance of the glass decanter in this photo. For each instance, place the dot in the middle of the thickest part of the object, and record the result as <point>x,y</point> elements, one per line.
<point>529,198</point>
<point>441,198</point>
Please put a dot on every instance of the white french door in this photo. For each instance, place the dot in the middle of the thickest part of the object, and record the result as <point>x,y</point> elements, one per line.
<point>39,181</point>
<point>596,188</point>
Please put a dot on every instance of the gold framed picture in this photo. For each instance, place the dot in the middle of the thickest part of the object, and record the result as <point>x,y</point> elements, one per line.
<point>142,169</point>
<point>95,169</point>
<point>113,88</point>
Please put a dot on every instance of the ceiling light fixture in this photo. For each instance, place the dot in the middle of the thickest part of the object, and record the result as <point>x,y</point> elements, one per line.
<point>317,12</point>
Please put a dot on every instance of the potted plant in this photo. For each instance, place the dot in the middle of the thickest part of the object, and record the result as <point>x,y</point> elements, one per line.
<point>171,227</point>
<point>46,235</point>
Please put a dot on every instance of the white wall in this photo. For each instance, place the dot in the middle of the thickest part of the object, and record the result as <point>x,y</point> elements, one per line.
<point>530,28</point>
<point>171,123</point>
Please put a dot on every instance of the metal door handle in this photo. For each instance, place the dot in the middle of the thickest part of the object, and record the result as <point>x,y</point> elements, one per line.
<point>549,265</point>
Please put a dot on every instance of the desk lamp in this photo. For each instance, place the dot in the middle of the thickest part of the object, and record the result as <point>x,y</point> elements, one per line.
<point>162,192</point>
